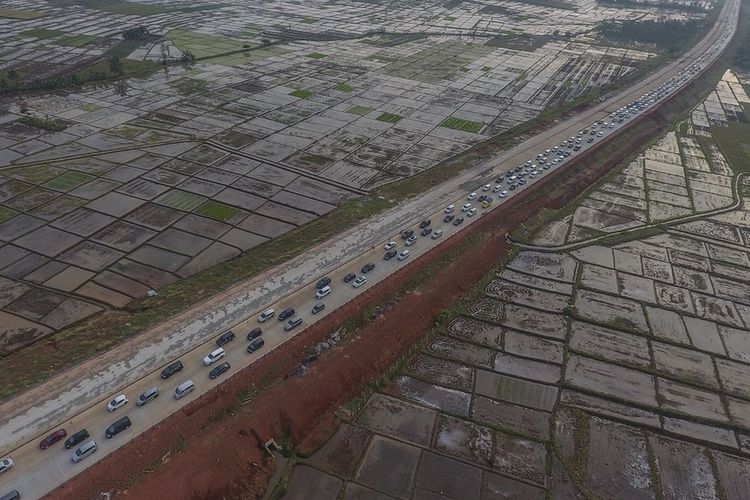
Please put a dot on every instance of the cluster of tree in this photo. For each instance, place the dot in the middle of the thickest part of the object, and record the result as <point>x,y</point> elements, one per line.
<point>59,82</point>
<point>188,57</point>
<point>693,6</point>
<point>672,36</point>
<point>135,33</point>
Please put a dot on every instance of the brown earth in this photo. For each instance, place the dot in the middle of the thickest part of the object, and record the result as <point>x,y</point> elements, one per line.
<point>211,448</point>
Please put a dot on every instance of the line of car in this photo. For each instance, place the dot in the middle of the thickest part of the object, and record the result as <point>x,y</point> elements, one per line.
<point>90,447</point>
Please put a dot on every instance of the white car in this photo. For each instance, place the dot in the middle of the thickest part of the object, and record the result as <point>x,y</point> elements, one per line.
<point>6,464</point>
<point>403,255</point>
<point>410,240</point>
<point>466,207</point>
<point>361,280</point>
<point>486,187</point>
<point>472,196</point>
<point>471,212</point>
<point>437,234</point>
<point>389,245</point>
<point>118,402</point>
<point>323,292</point>
<point>497,188</point>
<point>213,356</point>
<point>503,194</point>
<point>449,209</point>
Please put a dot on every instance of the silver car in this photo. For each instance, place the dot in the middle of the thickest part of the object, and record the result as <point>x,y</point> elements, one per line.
<point>147,396</point>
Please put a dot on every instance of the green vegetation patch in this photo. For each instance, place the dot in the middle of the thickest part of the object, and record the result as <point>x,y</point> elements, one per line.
<point>42,33</point>
<point>36,174</point>
<point>519,41</point>
<point>124,48</point>
<point>50,124</point>
<point>389,118</point>
<point>465,125</point>
<point>343,87</point>
<point>68,181</point>
<point>316,55</point>
<point>359,110</point>
<point>671,36</point>
<point>77,40</point>
<point>202,45</point>
<point>734,142</point>
<point>19,14</point>
<point>301,93</point>
<point>216,210</point>
<point>181,200</point>
<point>310,20</point>
<point>189,86</point>
<point>6,213</point>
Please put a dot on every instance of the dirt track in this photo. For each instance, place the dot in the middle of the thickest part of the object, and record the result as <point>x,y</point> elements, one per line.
<point>205,451</point>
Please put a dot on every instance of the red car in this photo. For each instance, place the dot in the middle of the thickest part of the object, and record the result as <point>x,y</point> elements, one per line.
<point>52,439</point>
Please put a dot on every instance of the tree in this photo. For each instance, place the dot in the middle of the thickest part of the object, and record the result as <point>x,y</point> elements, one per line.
<point>188,57</point>
<point>13,74</point>
<point>115,65</point>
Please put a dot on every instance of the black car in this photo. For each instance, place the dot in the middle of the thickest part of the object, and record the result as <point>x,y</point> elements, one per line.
<point>254,333</point>
<point>499,179</point>
<point>448,218</point>
<point>219,370</point>
<point>255,345</point>
<point>407,234</point>
<point>76,438</point>
<point>349,277</point>
<point>286,313</point>
<point>323,282</point>
<point>512,187</point>
<point>388,256</point>
<point>426,231</point>
<point>117,427</point>
<point>369,267</point>
<point>224,338</point>
<point>458,221</point>
<point>171,369</point>
<point>318,307</point>
<point>425,223</point>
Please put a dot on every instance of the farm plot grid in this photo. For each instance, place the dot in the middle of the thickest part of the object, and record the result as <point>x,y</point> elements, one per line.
<point>290,109</point>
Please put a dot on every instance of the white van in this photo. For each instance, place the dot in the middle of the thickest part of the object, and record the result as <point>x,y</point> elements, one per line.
<point>437,234</point>
<point>86,449</point>
<point>323,292</point>
<point>213,356</point>
<point>403,255</point>
<point>265,315</point>
<point>184,388</point>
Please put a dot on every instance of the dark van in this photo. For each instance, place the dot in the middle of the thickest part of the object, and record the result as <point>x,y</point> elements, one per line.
<point>76,438</point>
<point>286,313</point>
<point>254,333</point>
<point>255,345</point>
<point>117,427</point>
<point>171,369</point>
<point>224,338</point>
